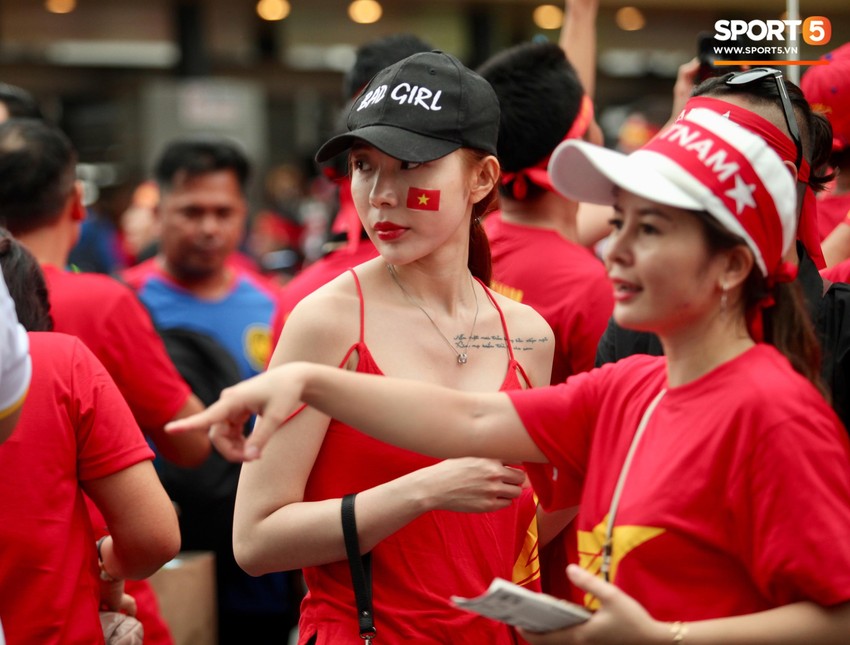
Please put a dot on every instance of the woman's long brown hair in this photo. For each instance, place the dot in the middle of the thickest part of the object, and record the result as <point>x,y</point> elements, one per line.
<point>787,324</point>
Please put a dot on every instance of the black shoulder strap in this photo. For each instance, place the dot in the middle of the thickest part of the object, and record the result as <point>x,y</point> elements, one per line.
<point>361,571</point>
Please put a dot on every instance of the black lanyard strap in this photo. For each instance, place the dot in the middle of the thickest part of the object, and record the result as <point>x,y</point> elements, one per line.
<point>361,571</point>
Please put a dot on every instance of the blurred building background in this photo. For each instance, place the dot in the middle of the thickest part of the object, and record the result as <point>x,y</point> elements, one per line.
<point>122,76</point>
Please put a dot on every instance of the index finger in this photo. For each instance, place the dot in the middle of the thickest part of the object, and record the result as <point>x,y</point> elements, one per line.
<point>225,409</point>
<point>199,421</point>
<point>590,583</point>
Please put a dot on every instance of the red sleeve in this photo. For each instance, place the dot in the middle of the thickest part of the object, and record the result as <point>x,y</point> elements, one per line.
<point>560,420</point>
<point>108,438</point>
<point>135,356</point>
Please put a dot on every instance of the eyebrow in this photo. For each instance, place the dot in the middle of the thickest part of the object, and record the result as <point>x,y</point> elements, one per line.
<point>652,210</point>
<point>646,210</point>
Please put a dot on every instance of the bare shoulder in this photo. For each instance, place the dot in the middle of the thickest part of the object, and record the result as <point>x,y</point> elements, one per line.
<point>322,326</point>
<point>523,321</point>
<point>531,338</point>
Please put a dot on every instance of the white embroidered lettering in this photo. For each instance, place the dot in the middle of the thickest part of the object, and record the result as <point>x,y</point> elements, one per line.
<point>365,100</point>
<point>422,96</point>
<point>717,161</point>
<point>680,134</point>
<point>372,97</point>
<point>718,164</point>
<point>398,94</point>
<point>702,148</point>
<point>404,94</point>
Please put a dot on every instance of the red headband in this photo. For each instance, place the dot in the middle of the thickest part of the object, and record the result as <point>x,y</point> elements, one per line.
<point>807,224</point>
<point>729,175</point>
<point>538,173</point>
<point>807,227</point>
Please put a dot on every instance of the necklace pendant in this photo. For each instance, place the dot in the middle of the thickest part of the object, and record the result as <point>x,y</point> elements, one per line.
<point>461,359</point>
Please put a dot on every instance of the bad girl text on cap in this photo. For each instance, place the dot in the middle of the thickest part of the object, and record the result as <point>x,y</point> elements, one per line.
<point>404,94</point>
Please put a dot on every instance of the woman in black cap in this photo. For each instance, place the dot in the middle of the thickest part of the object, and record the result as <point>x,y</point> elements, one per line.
<point>421,142</point>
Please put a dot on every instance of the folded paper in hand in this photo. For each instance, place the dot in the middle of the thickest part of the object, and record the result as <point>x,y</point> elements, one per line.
<point>536,612</point>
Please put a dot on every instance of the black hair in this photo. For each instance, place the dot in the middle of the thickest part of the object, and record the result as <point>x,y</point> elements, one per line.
<point>26,284</point>
<point>374,56</point>
<point>787,324</point>
<point>840,158</point>
<point>37,173</point>
<point>540,96</point>
<point>19,103</point>
<point>200,155</point>
<point>815,130</point>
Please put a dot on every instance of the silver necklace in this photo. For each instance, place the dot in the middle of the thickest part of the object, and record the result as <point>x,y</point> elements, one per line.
<point>462,357</point>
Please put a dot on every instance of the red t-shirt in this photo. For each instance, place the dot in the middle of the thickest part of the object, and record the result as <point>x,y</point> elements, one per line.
<point>74,427</point>
<point>738,498</point>
<point>110,320</point>
<point>563,281</point>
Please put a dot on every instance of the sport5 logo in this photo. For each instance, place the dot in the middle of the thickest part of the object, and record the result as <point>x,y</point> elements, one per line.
<point>815,30</point>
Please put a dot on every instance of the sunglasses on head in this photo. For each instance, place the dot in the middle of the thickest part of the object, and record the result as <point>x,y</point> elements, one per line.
<point>756,74</point>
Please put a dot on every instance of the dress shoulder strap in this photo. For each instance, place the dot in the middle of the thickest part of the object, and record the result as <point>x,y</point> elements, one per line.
<point>501,317</point>
<point>514,364</point>
<point>362,304</point>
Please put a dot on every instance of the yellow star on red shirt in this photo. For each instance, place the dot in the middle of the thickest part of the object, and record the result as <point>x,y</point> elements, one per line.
<point>624,539</point>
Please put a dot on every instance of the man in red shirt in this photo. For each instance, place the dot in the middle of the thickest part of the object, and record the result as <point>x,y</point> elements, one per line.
<point>42,208</point>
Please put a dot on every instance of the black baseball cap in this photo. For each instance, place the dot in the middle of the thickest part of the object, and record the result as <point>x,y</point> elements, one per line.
<point>420,109</point>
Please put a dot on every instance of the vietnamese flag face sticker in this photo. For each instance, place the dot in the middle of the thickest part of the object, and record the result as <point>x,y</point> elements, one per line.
<point>423,200</point>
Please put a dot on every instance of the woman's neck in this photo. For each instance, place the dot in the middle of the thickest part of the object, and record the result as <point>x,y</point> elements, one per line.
<point>443,288</point>
<point>694,352</point>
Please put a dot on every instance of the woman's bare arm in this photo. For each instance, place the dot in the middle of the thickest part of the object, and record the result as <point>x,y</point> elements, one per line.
<point>426,418</point>
<point>274,527</point>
